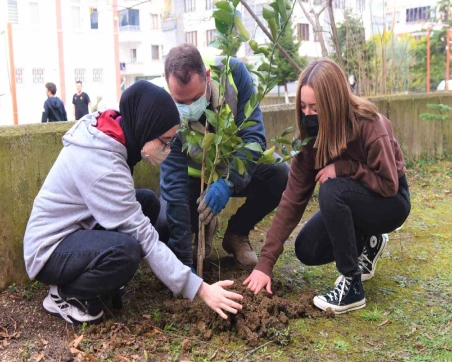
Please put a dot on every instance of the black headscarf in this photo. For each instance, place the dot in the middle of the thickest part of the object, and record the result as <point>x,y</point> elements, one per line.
<point>147,111</point>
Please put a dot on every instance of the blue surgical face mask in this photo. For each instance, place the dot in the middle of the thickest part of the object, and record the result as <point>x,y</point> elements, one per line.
<point>194,111</point>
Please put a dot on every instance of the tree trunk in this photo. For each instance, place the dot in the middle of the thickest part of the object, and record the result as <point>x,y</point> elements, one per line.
<point>316,25</point>
<point>335,36</point>
<point>286,93</point>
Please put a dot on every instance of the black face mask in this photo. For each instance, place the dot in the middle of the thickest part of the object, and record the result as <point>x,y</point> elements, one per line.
<point>311,123</point>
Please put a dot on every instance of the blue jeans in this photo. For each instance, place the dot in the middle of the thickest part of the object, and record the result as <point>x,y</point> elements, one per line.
<point>349,211</point>
<point>92,264</point>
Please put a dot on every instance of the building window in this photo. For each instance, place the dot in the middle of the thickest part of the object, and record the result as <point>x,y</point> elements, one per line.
<point>133,55</point>
<point>155,52</point>
<point>303,32</point>
<point>339,4</point>
<point>20,76</point>
<point>34,13</point>
<point>192,37</point>
<point>129,19</point>
<point>154,21</point>
<point>417,14</point>
<point>98,75</point>
<point>361,5</point>
<point>76,17</point>
<point>210,4</point>
<point>190,5</point>
<point>13,16</point>
<point>94,16</point>
<point>79,74</point>
<point>210,36</point>
<point>38,75</point>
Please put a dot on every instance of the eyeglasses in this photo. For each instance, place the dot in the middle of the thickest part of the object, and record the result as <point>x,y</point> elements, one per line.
<point>167,145</point>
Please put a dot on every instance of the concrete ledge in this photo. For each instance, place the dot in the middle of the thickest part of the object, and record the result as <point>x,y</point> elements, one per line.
<point>28,152</point>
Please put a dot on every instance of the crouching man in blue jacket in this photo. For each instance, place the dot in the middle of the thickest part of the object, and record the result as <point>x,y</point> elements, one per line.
<point>193,91</point>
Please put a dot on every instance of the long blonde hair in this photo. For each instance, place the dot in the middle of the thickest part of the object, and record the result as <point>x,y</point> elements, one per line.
<point>338,109</point>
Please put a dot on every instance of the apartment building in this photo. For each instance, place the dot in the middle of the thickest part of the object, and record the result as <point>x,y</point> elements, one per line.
<point>409,16</point>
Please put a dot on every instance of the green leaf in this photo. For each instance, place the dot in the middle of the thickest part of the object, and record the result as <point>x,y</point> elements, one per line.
<point>284,150</point>
<point>264,67</point>
<point>241,28</point>
<point>273,27</point>
<point>212,118</point>
<point>235,3</point>
<point>275,6</point>
<point>239,166</point>
<point>286,131</point>
<point>296,145</point>
<point>282,140</point>
<point>223,16</point>
<point>259,75</point>
<point>208,140</point>
<point>218,139</point>
<point>253,45</point>
<point>248,109</point>
<point>282,9</point>
<point>264,50</point>
<point>306,140</point>
<point>248,124</point>
<point>221,26</point>
<point>269,14</point>
<point>254,146</point>
<point>224,5</point>
<point>214,44</point>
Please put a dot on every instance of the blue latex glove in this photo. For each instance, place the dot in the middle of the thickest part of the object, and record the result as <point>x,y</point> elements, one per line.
<point>216,199</point>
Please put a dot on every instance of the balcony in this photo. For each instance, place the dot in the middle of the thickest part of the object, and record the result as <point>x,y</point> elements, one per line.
<point>132,67</point>
<point>130,34</point>
<point>169,24</point>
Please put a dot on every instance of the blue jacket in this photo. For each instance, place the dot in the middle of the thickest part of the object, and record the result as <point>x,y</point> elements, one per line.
<point>174,176</point>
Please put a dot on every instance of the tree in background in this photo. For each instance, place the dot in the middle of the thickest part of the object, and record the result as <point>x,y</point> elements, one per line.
<point>284,72</point>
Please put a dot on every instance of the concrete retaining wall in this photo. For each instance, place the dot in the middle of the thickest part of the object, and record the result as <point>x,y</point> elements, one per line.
<point>28,152</point>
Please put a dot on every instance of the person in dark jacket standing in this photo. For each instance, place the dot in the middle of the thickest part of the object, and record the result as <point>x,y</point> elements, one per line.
<point>81,102</point>
<point>363,193</point>
<point>54,110</point>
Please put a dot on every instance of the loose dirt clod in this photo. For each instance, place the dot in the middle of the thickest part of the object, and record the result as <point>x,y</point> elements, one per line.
<point>262,316</point>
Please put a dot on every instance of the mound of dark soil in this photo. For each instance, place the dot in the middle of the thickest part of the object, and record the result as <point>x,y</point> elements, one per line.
<point>262,316</point>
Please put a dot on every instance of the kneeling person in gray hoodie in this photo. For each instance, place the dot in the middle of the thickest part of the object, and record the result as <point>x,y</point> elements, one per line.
<point>89,227</point>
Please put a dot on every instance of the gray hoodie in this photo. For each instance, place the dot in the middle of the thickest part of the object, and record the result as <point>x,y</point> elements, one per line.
<point>90,183</point>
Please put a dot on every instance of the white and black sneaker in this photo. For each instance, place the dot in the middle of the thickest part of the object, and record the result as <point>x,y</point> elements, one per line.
<point>372,251</point>
<point>347,295</point>
<point>58,307</point>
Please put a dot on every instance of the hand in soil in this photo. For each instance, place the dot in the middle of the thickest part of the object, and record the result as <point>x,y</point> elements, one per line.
<point>258,280</point>
<point>219,299</point>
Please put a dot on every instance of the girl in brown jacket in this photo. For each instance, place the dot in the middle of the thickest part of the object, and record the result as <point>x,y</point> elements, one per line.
<point>363,188</point>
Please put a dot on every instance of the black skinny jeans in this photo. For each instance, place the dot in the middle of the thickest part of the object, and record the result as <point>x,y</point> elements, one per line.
<point>348,212</point>
<point>95,263</point>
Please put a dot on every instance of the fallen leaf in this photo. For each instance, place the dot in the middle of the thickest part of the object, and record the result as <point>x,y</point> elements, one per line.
<point>386,321</point>
<point>5,343</point>
<point>214,355</point>
<point>447,192</point>
<point>44,342</point>
<point>76,341</point>
<point>147,316</point>
<point>425,334</point>
<point>90,357</point>
<point>410,333</point>
<point>40,357</point>
<point>74,350</point>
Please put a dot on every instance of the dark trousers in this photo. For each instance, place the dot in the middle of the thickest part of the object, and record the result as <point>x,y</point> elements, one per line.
<point>263,194</point>
<point>348,212</point>
<point>95,263</point>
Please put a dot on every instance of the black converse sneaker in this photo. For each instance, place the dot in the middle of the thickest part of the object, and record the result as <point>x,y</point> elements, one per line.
<point>346,296</point>
<point>373,248</point>
<point>58,307</point>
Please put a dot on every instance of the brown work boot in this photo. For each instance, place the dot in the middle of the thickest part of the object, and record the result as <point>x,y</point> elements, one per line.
<point>211,230</point>
<point>240,248</point>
